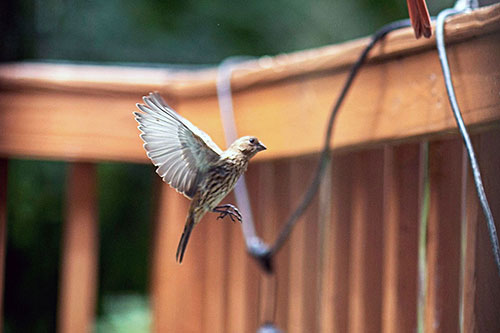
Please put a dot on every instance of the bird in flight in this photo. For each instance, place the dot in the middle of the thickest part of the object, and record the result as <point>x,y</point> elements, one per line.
<point>189,161</point>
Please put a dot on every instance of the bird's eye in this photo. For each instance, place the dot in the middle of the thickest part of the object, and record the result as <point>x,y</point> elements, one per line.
<point>252,140</point>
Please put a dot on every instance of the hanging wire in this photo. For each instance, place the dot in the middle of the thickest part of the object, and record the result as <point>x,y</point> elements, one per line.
<point>325,153</point>
<point>461,126</point>
<point>264,253</point>
<point>255,246</point>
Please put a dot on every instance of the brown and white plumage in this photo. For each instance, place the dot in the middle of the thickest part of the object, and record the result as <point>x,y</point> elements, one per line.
<point>189,161</point>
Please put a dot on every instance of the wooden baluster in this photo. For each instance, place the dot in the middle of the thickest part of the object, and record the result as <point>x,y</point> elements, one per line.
<point>325,255</point>
<point>3,230</point>
<point>281,262</point>
<point>80,250</point>
<point>243,276</point>
<point>266,213</point>
<point>336,275</point>
<point>216,269</point>
<point>177,289</point>
<point>366,242</point>
<point>481,291</point>
<point>302,292</point>
<point>444,236</point>
<point>401,216</point>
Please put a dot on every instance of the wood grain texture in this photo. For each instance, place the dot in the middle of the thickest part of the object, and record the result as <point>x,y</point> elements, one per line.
<point>177,291</point>
<point>303,260</point>
<point>3,231</point>
<point>340,239</point>
<point>365,299</point>
<point>399,97</point>
<point>282,197</point>
<point>481,291</point>
<point>444,236</point>
<point>78,278</point>
<point>265,70</point>
<point>401,216</point>
<point>215,301</point>
<point>243,279</point>
<point>261,178</point>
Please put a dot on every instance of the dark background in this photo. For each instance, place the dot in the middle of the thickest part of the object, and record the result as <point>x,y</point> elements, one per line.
<point>136,32</point>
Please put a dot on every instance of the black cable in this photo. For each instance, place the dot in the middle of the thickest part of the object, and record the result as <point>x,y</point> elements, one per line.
<point>463,132</point>
<point>266,258</point>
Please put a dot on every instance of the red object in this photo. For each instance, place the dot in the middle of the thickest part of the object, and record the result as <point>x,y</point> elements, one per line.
<point>419,17</point>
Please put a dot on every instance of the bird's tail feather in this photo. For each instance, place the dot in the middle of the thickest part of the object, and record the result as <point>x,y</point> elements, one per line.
<point>181,248</point>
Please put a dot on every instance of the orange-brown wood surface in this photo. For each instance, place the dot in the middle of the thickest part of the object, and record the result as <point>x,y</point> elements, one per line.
<point>401,213</point>
<point>302,288</point>
<point>177,291</point>
<point>3,230</point>
<point>481,291</point>
<point>282,197</point>
<point>243,281</point>
<point>78,288</point>
<point>444,236</point>
<point>340,239</point>
<point>262,185</point>
<point>350,264</point>
<point>396,97</point>
<point>365,271</point>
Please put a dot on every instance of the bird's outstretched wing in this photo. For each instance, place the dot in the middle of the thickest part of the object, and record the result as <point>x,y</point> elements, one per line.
<point>180,150</point>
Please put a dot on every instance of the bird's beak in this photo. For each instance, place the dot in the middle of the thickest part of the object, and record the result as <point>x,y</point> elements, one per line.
<point>261,147</point>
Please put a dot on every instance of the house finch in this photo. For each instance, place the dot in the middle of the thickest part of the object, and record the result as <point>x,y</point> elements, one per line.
<point>189,161</point>
<point>419,17</point>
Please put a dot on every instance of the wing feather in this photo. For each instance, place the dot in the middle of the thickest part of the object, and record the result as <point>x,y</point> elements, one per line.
<point>180,151</point>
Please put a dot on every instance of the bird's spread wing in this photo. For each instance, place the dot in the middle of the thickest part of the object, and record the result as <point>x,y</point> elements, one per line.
<point>180,150</point>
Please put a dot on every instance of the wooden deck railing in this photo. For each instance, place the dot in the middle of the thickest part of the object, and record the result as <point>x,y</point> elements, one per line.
<point>395,237</point>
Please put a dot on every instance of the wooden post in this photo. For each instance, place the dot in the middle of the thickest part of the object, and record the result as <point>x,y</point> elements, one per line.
<point>337,274</point>
<point>281,194</point>
<point>481,292</point>
<point>444,234</point>
<point>80,250</point>
<point>177,289</point>
<point>3,231</point>
<point>303,265</point>
<point>366,243</point>
<point>401,216</point>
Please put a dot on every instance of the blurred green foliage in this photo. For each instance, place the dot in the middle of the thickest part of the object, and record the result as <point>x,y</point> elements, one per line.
<point>193,32</point>
<point>149,31</point>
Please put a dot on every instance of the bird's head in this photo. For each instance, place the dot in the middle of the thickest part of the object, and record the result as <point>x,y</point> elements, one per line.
<point>248,146</point>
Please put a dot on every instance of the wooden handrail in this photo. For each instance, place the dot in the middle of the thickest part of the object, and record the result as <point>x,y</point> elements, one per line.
<point>81,112</point>
<point>183,83</point>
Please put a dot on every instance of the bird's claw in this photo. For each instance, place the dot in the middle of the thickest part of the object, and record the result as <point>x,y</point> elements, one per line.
<point>228,210</point>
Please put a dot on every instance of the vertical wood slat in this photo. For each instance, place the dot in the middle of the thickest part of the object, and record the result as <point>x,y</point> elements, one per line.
<point>444,234</point>
<point>80,251</point>
<point>325,267</point>
<point>366,242</point>
<point>340,240</point>
<point>282,258</point>
<point>481,292</point>
<point>216,277</point>
<point>242,284</point>
<point>177,289</point>
<point>262,193</point>
<point>401,216</point>
<point>303,253</point>
<point>3,231</point>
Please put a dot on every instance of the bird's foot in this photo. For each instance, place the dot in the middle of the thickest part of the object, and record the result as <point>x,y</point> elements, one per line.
<point>228,210</point>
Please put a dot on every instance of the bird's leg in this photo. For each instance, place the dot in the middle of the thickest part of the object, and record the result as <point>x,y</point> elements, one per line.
<point>228,210</point>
